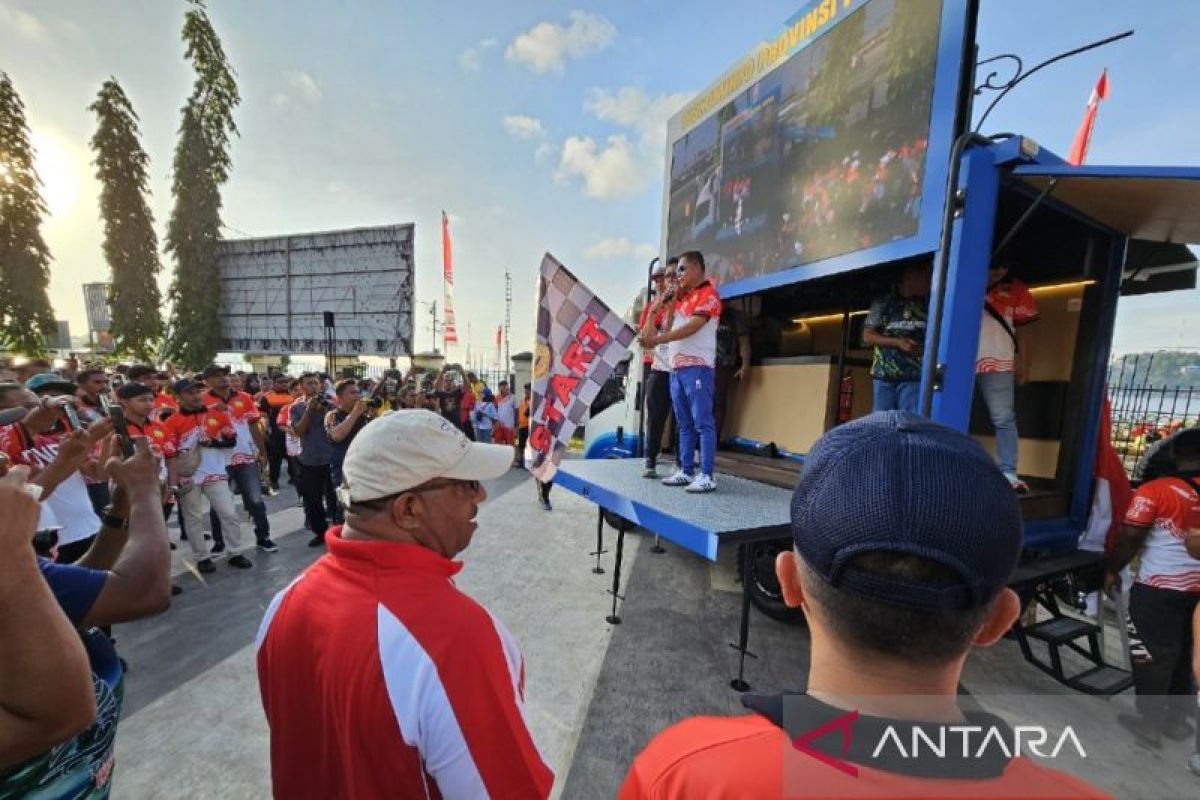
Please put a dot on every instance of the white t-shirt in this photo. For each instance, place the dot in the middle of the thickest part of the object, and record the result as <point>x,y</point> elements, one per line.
<point>506,411</point>
<point>72,509</point>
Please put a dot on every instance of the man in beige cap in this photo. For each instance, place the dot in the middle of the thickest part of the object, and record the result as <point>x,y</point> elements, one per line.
<point>379,678</point>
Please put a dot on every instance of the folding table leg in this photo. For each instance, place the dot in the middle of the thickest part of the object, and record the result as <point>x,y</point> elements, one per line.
<point>599,570</point>
<point>612,618</point>
<point>739,683</point>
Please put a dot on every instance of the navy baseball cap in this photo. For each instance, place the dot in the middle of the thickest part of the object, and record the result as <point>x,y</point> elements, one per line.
<point>896,482</point>
<point>184,384</point>
<point>138,371</point>
<point>133,389</point>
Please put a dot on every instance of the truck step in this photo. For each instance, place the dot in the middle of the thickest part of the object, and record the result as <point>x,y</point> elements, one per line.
<point>1060,630</point>
<point>1103,680</point>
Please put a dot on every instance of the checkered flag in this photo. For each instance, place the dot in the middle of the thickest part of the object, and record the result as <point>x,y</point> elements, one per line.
<point>580,342</point>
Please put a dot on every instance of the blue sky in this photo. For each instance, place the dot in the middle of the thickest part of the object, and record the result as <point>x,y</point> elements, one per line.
<point>537,125</point>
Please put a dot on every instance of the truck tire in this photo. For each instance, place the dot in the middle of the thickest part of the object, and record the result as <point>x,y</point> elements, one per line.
<point>756,569</point>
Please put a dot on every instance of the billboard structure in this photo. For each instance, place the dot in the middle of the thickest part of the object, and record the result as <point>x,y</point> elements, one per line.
<point>99,316</point>
<point>276,293</point>
<point>824,147</point>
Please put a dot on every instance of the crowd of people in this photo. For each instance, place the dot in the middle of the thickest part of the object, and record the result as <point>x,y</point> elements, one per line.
<point>403,685</point>
<point>93,463</point>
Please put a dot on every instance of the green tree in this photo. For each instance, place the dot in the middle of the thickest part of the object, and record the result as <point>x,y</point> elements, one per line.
<point>25,313</point>
<point>130,244</point>
<point>830,97</point>
<point>911,48</point>
<point>201,167</point>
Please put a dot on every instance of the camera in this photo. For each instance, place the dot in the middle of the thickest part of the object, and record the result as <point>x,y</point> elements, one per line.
<point>374,402</point>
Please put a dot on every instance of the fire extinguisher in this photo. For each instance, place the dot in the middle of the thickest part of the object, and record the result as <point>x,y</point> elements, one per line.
<point>846,399</point>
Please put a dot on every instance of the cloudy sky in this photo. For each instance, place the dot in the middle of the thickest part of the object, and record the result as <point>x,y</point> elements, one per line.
<point>537,125</point>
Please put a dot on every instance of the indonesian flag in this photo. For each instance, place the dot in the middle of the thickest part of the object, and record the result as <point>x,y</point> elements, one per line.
<point>1113,492</point>
<point>449,331</point>
<point>1083,137</point>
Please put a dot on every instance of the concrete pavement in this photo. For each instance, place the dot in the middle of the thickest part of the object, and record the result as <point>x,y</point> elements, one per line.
<point>193,724</point>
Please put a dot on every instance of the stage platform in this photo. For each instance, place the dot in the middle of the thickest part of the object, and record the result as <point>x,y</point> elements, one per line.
<point>740,510</point>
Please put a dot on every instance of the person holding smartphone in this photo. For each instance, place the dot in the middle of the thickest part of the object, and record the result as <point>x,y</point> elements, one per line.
<point>34,442</point>
<point>895,328</point>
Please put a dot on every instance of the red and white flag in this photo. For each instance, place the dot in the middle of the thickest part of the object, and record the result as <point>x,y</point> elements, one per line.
<point>449,331</point>
<point>1083,137</point>
<point>1112,489</point>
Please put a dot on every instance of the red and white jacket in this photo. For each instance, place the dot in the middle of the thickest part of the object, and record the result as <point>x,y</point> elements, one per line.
<point>380,678</point>
<point>243,412</point>
<point>208,429</point>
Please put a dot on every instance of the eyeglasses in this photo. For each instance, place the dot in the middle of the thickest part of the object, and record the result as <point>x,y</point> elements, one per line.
<point>379,503</point>
<point>434,485</point>
<point>680,269</point>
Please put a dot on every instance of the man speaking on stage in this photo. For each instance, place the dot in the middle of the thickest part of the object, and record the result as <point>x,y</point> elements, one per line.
<point>692,351</point>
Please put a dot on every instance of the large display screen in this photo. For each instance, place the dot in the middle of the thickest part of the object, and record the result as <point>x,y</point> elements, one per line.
<point>822,156</point>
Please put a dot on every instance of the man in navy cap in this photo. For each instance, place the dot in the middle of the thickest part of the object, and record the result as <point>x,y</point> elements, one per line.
<point>906,535</point>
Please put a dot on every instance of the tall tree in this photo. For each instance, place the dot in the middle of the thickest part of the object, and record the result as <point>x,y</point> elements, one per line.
<point>130,244</point>
<point>25,313</point>
<point>201,168</point>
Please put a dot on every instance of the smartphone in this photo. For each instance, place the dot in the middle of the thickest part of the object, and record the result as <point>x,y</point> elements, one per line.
<point>73,417</point>
<point>120,425</point>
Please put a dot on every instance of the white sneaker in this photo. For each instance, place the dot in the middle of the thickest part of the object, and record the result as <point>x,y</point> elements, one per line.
<point>650,472</point>
<point>1019,486</point>
<point>702,483</point>
<point>680,478</point>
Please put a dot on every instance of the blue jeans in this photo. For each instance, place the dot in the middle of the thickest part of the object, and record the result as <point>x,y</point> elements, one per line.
<point>483,435</point>
<point>246,478</point>
<point>896,395</point>
<point>692,398</point>
<point>998,390</point>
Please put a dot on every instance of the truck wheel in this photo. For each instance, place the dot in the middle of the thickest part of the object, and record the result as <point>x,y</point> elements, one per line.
<point>756,568</point>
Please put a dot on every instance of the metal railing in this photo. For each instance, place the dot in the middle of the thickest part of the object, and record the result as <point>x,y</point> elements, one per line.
<point>1145,412</point>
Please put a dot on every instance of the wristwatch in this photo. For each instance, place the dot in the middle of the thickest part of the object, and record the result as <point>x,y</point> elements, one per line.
<point>111,520</point>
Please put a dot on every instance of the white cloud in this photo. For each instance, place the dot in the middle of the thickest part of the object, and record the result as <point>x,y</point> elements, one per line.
<point>631,107</point>
<point>304,86</point>
<point>546,153</point>
<point>547,45</point>
<point>612,170</point>
<point>471,59</point>
<point>520,126</point>
<point>26,25</point>
<point>619,247</point>
<point>622,167</point>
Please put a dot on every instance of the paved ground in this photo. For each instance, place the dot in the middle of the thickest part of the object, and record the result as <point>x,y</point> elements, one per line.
<point>193,725</point>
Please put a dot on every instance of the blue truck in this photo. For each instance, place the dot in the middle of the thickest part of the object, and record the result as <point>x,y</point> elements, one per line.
<point>894,177</point>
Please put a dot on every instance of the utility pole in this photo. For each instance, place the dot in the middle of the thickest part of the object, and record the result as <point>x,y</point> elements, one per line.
<point>507,318</point>
<point>434,325</point>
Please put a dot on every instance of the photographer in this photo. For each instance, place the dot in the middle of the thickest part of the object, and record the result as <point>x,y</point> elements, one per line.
<point>35,442</point>
<point>342,424</point>
<point>316,456</point>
